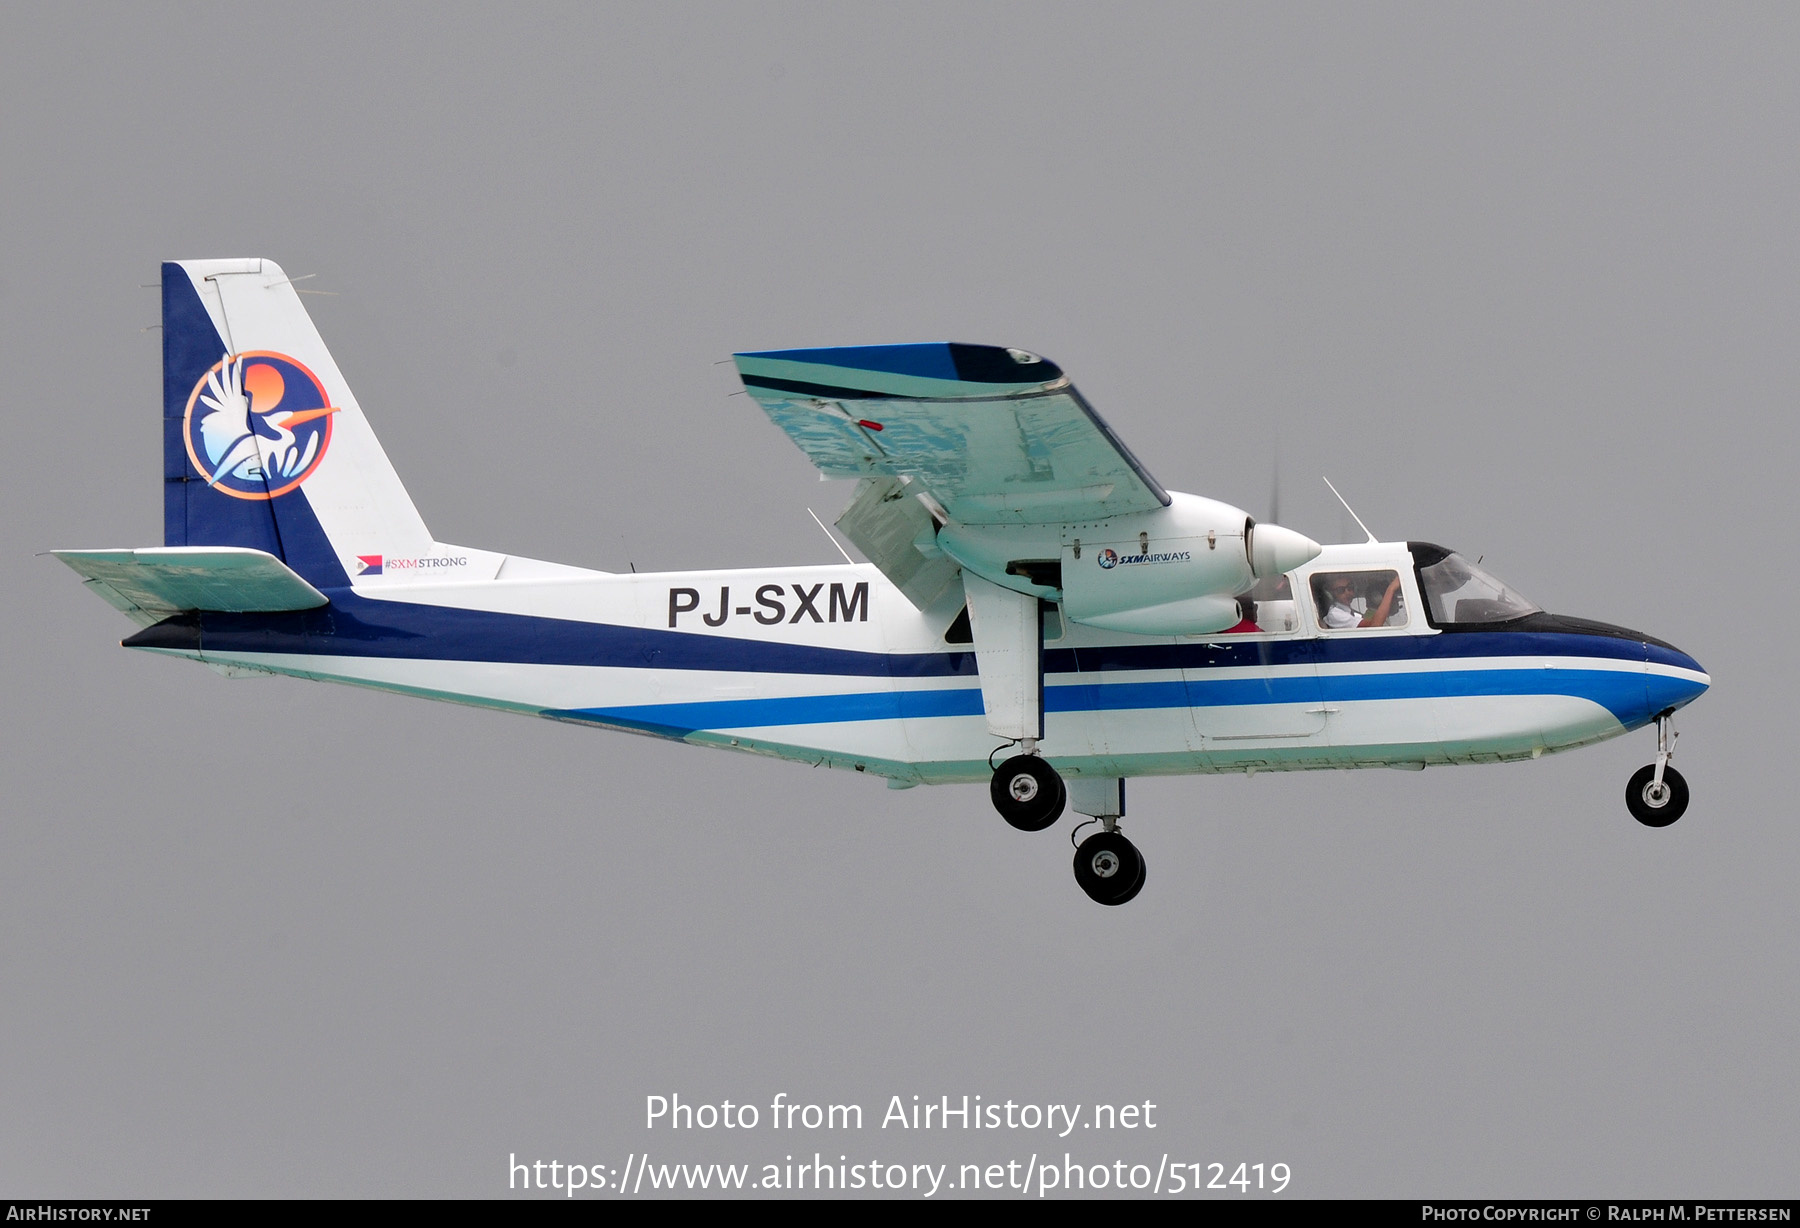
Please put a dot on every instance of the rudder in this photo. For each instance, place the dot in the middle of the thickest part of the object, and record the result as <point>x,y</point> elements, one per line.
<point>264,445</point>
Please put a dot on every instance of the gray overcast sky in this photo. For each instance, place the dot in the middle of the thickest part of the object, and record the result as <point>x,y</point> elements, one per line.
<point>1522,279</point>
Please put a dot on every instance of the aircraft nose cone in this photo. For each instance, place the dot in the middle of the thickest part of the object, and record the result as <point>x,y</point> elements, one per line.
<point>1673,677</point>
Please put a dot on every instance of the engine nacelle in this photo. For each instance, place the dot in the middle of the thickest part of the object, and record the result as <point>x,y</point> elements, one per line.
<point>1172,571</point>
<point>1168,572</point>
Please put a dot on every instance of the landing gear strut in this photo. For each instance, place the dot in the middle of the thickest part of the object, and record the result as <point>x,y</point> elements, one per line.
<point>1028,792</point>
<point>1109,867</point>
<point>1657,795</point>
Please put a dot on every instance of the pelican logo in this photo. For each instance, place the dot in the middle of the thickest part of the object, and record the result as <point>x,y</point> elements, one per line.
<point>257,424</point>
<point>1108,560</point>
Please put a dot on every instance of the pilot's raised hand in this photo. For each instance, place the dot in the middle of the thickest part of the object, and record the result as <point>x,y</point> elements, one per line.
<point>1379,615</point>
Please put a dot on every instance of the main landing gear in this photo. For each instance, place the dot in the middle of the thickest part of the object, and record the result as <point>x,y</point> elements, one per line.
<point>1031,795</point>
<point>1028,792</point>
<point>1108,866</point>
<point>1657,795</point>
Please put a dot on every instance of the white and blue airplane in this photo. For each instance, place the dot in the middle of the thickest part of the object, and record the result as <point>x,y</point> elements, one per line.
<point>1032,594</point>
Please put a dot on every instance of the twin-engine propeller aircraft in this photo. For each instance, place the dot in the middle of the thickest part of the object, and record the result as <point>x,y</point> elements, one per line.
<point>1032,594</point>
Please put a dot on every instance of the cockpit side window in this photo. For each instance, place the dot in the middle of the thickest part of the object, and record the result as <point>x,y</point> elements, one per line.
<point>1347,600</point>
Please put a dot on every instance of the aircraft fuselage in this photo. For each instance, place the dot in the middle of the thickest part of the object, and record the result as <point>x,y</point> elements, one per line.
<point>833,666</point>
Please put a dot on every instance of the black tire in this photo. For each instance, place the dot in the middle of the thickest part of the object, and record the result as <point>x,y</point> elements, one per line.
<point>1137,886</point>
<point>1028,793</point>
<point>1109,868</point>
<point>1649,809</point>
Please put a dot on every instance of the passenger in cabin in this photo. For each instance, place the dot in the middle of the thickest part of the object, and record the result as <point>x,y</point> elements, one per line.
<point>1342,601</point>
<point>1246,622</point>
<point>1269,603</point>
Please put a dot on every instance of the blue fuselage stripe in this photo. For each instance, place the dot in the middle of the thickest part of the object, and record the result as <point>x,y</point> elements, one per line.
<point>1293,671</point>
<point>1621,692</point>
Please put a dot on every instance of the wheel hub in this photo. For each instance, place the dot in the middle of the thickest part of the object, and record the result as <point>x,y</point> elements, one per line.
<point>1024,787</point>
<point>1105,863</point>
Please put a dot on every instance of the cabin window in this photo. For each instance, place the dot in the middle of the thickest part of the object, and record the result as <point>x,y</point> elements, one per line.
<point>1349,600</point>
<point>1270,605</point>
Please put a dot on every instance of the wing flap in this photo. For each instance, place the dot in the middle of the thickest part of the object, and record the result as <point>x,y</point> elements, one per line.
<point>159,581</point>
<point>995,436</point>
<point>896,533</point>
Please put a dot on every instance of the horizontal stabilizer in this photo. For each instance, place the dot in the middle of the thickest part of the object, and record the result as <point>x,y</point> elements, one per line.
<point>153,583</point>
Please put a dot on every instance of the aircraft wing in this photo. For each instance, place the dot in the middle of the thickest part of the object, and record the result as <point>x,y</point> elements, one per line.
<point>152,583</point>
<point>995,436</point>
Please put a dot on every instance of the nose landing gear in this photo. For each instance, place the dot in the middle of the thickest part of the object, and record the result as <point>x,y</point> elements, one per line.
<point>1656,794</point>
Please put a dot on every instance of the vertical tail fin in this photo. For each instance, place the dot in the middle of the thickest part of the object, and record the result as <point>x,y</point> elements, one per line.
<point>263,443</point>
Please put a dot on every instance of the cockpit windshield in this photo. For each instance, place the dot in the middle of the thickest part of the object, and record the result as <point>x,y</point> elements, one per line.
<point>1460,592</point>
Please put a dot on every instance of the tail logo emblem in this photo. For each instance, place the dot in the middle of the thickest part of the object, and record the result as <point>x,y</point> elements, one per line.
<point>257,424</point>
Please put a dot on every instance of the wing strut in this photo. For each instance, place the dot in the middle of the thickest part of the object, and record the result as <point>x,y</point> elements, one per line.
<point>1009,651</point>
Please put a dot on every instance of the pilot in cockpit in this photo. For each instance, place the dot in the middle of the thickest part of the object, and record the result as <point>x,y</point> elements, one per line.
<point>1342,604</point>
